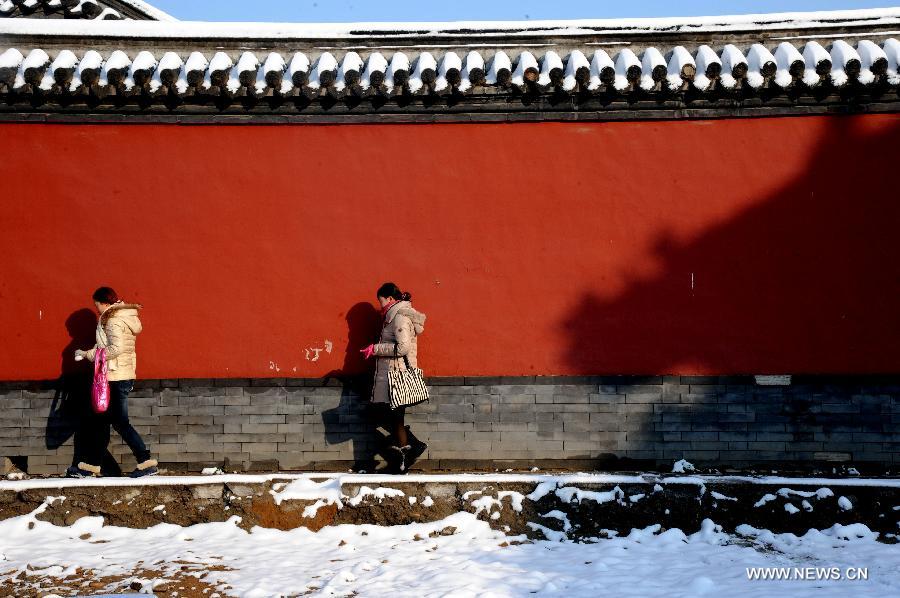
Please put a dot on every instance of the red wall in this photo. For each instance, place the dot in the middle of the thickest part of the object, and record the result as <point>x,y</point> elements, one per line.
<point>730,246</point>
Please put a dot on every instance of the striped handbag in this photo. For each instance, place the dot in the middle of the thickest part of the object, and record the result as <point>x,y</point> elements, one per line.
<point>407,386</point>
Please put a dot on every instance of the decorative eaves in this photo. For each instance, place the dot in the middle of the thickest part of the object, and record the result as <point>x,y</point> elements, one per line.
<point>104,10</point>
<point>653,71</point>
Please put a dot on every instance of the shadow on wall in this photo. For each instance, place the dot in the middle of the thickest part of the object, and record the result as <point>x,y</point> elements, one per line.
<point>354,420</point>
<point>806,281</point>
<point>71,406</point>
<point>810,274</point>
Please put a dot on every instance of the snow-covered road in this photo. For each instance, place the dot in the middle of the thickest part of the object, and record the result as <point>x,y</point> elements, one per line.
<point>458,556</point>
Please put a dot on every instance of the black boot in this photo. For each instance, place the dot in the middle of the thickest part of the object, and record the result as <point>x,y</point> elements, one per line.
<point>396,460</point>
<point>416,449</point>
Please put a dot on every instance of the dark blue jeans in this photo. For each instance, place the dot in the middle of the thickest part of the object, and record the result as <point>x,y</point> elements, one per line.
<point>117,417</point>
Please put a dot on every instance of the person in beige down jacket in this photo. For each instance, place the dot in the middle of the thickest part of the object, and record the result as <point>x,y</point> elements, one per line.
<point>399,339</point>
<point>117,332</point>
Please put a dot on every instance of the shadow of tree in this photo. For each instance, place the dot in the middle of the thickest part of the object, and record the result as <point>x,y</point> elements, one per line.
<point>805,281</point>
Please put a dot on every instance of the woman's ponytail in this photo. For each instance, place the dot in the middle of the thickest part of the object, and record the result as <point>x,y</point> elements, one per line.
<point>389,290</point>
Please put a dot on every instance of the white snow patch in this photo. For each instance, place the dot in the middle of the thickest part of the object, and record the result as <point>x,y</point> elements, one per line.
<point>379,493</point>
<point>425,62</point>
<point>845,504</point>
<point>527,62</point>
<point>577,60</point>
<point>551,535</point>
<point>651,59</point>
<point>614,28</point>
<point>636,497</point>
<point>683,466</point>
<point>550,62</point>
<point>326,493</point>
<point>399,63</point>
<point>720,496</point>
<point>499,62</point>
<point>680,58</point>
<point>706,57</point>
<point>428,502</point>
<point>824,493</point>
<point>764,500</point>
<point>570,494</point>
<point>473,61</point>
<point>326,63</point>
<point>542,490</point>
<point>791,508</point>
<point>731,58</point>
<point>515,498</point>
<point>561,517</point>
<point>450,61</point>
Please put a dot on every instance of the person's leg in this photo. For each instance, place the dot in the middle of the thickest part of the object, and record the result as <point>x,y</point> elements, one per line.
<point>400,435</point>
<point>95,439</point>
<point>118,413</point>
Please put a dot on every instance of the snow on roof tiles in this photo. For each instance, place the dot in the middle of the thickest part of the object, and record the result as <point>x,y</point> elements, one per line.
<point>653,70</point>
<point>177,63</point>
<point>801,21</point>
<point>23,70</point>
<point>102,10</point>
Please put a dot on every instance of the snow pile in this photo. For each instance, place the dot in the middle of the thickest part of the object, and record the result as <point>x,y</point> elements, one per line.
<point>324,493</point>
<point>683,466</point>
<point>570,494</point>
<point>379,493</point>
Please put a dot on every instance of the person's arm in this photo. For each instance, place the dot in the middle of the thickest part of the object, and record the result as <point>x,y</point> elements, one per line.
<point>403,332</point>
<point>115,339</point>
<point>89,354</point>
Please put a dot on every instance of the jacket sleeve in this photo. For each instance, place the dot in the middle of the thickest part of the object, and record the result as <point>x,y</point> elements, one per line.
<point>90,353</point>
<point>403,332</point>
<point>115,337</point>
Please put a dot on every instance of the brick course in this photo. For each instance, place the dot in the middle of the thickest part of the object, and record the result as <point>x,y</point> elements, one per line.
<point>308,424</point>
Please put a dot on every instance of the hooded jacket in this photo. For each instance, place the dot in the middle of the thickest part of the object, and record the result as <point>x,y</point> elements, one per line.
<point>117,332</point>
<point>399,339</point>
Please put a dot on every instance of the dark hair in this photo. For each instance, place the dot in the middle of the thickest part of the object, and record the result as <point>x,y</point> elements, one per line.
<point>105,295</point>
<point>391,291</point>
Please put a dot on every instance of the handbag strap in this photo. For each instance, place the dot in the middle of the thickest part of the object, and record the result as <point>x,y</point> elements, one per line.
<point>397,356</point>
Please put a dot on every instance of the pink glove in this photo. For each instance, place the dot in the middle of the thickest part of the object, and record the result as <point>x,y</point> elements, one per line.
<point>368,351</point>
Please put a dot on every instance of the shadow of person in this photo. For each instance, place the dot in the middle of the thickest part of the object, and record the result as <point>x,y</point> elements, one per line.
<point>355,419</point>
<point>71,414</point>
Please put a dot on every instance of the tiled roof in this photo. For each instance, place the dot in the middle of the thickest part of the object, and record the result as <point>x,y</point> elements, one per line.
<point>847,58</point>
<point>655,70</point>
<point>110,10</point>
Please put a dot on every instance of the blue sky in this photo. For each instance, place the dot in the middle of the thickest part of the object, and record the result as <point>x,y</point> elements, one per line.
<point>313,11</point>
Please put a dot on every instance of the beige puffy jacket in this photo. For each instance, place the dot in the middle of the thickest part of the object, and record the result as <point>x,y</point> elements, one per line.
<point>117,330</point>
<point>399,338</point>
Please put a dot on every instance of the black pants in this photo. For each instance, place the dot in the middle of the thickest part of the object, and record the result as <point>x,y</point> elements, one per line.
<point>117,417</point>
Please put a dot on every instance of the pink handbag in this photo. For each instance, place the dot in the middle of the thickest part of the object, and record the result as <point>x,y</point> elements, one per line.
<point>100,390</point>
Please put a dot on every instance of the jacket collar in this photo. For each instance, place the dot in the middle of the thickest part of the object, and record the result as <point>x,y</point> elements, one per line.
<point>394,310</point>
<point>115,307</point>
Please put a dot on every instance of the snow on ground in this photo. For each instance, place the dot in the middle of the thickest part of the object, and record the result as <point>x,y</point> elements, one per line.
<point>546,483</point>
<point>420,560</point>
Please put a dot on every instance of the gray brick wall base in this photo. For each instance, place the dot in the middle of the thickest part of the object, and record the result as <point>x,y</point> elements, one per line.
<point>606,422</point>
